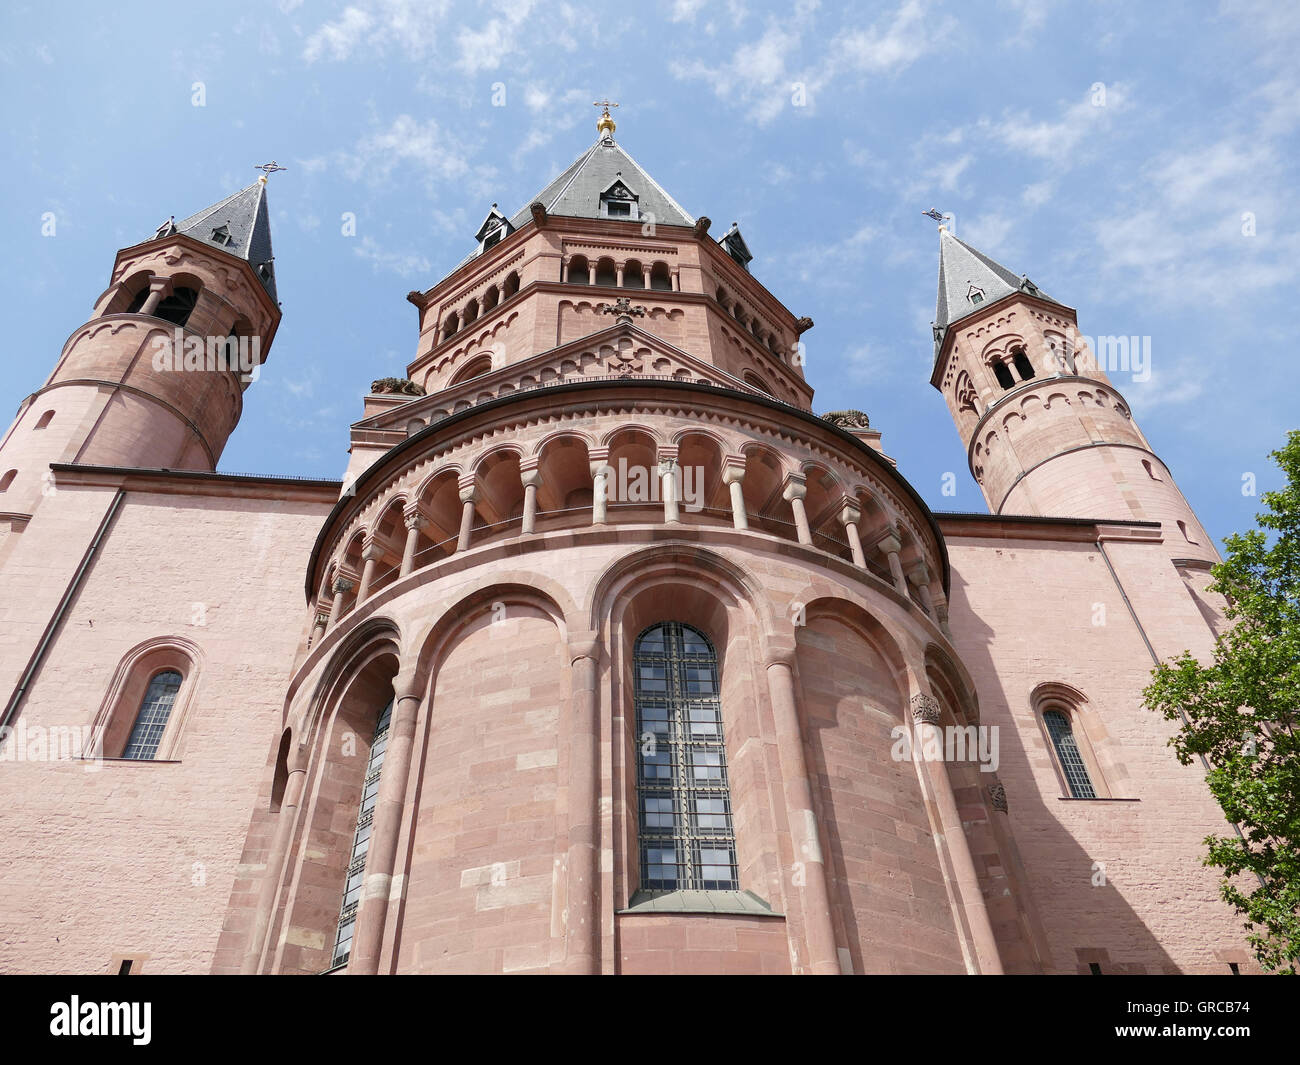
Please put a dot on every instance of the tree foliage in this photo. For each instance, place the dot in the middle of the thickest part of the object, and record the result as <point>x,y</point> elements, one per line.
<point>1239,713</point>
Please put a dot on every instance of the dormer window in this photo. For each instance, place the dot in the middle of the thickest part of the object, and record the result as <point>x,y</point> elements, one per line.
<point>734,245</point>
<point>975,295</point>
<point>221,235</point>
<point>619,201</point>
<point>495,228</point>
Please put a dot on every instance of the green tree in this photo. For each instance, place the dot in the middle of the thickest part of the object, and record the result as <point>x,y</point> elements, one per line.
<point>1239,715</point>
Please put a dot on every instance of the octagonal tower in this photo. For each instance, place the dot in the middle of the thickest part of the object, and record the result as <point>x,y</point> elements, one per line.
<point>603,634</point>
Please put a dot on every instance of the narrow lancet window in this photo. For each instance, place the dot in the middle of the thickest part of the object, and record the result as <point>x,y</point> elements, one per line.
<point>361,842</point>
<point>687,839</point>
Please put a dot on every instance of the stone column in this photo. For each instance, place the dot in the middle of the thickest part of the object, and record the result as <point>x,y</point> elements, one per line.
<point>275,859</point>
<point>677,281</point>
<point>468,493</point>
<point>794,492</point>
<point>618,274</point>
<point>371,553</point>
<point>414,522</point>
<point>926,717</point>
<point>319,622</point>
<point>582,934</point>
<point>531,475</point>
<point>804,835</point>
<point>733,474</point>
<point>890,545</point>
<point>850,515</point>
<point>159,289</point>
<point>598,463</point>
<point>940,605</point>
<point>378,888</point>
<point>341,588</point>
<point>920,578</point>
<point>668,476</point>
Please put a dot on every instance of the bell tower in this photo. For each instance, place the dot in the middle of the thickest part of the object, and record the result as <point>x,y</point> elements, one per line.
<point>155,377</point>
<point>1046,432</point>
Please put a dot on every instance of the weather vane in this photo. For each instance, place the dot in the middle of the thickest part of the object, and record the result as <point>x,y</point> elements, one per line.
<point>936,215</point>
<point>267,169</point>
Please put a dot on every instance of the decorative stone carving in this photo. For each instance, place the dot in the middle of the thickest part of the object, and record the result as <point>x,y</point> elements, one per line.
<point>998,795</point>
<point>395,386</point>
<point>847,419</point>
<point>803,325</point>
<point>623,308</point>
<point>701,227</point>
<point>925,709</point>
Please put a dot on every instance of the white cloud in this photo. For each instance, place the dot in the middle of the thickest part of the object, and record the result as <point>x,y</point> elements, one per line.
<point>404,264</point>
<point>411,25</point>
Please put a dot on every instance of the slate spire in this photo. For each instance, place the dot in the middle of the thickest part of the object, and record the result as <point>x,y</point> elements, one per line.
<point>969,280</point>
<point>239,225</point>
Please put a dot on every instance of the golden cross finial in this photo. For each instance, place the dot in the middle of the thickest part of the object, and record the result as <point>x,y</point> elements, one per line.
<point>606,121</point>
<point>268,169</point>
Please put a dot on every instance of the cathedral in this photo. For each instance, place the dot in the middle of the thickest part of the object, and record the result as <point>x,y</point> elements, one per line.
<point>607,655</point>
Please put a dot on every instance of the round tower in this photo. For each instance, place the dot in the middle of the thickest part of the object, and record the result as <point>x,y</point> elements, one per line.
<point>155,377</point>
<point>1046,432</point>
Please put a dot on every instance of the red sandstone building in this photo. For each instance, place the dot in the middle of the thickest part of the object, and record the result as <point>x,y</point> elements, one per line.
<point>608,656</point>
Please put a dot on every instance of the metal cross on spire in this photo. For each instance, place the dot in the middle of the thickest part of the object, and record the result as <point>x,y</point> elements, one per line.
<point>936,215</point>
<point>268,169</point>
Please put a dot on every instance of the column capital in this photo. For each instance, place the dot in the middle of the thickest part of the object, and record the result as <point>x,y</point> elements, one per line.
<point>667,453</point>
<point>584,645</point>
<point>888,542</point>
<point>733,468</point>
<point>321,618</point>
<point>414,519</point>
<point>850,513</point>
<point>406,685</point>
<point>925,709</point>
<point>468,489</point>
<point>371,550</point>
<point>342,585</point>
<point>779,651</point>
<point>919,574</point>
<point>796,487</point>
<point>530,478</point>
<point>998,795</point>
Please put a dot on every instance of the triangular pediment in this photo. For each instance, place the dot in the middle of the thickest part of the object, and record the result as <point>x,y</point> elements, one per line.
<point>620,351</point>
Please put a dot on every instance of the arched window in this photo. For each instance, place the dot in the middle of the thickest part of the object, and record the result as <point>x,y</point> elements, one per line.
<point>471,311</point>
<point>450,325</point>
<point>6,479</point>
<point>361,841</point>
<point>661,279</point>
<point>155,711</point>
<point>633,274</point>
<point>45,419</point>
<point>178,307</point>
<point>137,301</point>
<point>1003,375</point>
<point>579,271</point>
<point>606,274</point>
<point>475,368</point>
<point>1023,366</point>
<point>511,286</point>
<point>686,835</point>
<point>1068,756</point>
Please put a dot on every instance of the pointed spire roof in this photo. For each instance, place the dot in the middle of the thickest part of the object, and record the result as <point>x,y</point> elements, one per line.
<point>577,192</point>
<point>239,225</point>
<point>968,280</point>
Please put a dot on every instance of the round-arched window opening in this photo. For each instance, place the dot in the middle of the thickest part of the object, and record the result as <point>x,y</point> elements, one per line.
<point>178,307</point>
<point>137,301</point>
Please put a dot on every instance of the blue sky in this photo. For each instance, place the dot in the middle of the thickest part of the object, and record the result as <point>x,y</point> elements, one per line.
<point>1133,211</point>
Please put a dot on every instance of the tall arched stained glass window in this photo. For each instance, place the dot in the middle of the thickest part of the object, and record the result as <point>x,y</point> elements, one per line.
<point>687,840</point>
<point>1067,753</point>
<point>361,841</point>
<point>151,721</point>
